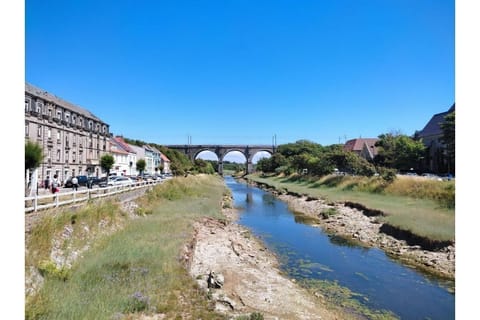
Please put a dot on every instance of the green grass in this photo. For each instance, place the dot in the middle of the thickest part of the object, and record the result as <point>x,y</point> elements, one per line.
<point>411,211</point>
<point>138,268</point>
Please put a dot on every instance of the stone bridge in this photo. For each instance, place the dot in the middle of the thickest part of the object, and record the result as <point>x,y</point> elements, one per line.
<point>249,151</point>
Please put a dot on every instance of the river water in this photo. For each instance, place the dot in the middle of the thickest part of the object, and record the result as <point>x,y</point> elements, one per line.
<point>307,253</point>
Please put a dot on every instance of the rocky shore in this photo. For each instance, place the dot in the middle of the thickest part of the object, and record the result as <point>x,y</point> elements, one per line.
<point>242,277</point>
<point>362,226</point>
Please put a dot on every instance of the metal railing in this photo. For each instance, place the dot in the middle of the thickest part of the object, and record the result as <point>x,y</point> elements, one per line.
<point>40,202</point>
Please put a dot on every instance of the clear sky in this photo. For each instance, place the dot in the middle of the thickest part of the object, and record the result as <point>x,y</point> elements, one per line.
<point>240,72</point>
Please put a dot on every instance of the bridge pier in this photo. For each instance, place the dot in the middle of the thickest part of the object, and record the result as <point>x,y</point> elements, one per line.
<point>220,168</point>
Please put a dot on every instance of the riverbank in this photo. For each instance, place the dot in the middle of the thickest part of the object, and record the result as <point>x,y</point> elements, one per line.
<point>241,276</point>
<point>363,226</point>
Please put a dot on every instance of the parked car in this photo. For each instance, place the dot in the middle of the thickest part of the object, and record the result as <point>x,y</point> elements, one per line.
<point>120,181</point>
<point>97,181</point>
<point>82,181</point>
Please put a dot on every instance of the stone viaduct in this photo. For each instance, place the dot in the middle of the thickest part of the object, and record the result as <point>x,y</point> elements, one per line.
<point>249,151</point>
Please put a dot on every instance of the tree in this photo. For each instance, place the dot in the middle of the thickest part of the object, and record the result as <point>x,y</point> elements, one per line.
<point>398,151</point>
<point>448,138</point>
<point>33,158</point>
<point>33,155</point>
<point>141,164</point>
<point>106,162</point>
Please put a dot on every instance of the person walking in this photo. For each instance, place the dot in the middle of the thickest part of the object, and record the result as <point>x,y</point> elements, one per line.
<point>75,183</point>
<point>47,183</point>
<point>55,184</point>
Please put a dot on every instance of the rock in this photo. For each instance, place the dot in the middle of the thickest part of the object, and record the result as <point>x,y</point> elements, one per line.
<point>215,280</point>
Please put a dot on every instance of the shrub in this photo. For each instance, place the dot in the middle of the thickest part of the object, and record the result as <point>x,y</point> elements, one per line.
<point>48,268</point>
<point>327,213</point>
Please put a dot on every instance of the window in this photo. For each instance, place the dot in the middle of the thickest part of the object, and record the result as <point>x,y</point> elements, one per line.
<point>38,106</point>
<point>58,135</point>
<point>49,112</point>
<point>27,105</point>
<point>74,156</point>
<point>49,154</point>
<point>66,155</point>
<point>58,154</point>
<point>26,129</point>
<point>74,119</point>
<point>90,125</point>
<point>81,122</point>
<point>49,133</point>
<point>104,129</point>
<point>67,117</point>
<point>59,114</point>
<point>39,131</point>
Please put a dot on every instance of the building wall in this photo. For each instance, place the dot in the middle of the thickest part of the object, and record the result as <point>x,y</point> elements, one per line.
<point>73,140</point>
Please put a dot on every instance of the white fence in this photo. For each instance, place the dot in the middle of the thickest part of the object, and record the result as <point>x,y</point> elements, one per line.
<point>40,202</point>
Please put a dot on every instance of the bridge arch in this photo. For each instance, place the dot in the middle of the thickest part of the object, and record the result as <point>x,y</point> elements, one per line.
<point>221,151</point>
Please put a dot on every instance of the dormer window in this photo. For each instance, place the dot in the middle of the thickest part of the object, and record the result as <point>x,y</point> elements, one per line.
<point>104,129</point>
<point>67,117</point>
<point>74,119</point>
<point>90,125</point>
<point>59,114</point>
<point>97,127</point>
<point>81,122</point>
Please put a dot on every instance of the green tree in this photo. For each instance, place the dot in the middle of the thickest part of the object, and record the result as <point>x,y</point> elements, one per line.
<point>33,159</point>
<point>141,164</point>
<point>448,138</point>
<point>399,151</point>
<point>33,155</point>
<point>300,147</point>
<point>106,162</point>
<point>203,166</point>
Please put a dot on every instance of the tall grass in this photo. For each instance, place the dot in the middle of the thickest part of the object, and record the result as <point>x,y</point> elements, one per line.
<point>139,268</point>
<point>413,206</point>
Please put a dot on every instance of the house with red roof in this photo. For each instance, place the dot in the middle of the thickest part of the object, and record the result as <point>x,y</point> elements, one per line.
<point>364,147</point>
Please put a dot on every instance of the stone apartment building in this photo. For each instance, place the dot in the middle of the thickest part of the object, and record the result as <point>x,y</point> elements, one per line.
<point>72,138</point>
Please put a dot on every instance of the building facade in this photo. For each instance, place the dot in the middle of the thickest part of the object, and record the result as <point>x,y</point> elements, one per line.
<point>72,139</point>
<point>436,158</point>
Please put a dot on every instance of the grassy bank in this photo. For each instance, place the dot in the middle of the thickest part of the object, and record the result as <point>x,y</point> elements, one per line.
<point>137,268</point>
<point>422,207</point>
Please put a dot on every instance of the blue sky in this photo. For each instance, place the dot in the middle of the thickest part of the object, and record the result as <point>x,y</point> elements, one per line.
<point>243,71</point>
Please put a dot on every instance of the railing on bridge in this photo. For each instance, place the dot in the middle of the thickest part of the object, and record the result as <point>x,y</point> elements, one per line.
<point>40,202</point>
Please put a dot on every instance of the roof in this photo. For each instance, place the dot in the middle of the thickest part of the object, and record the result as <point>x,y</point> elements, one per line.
<point>433,128</point>
<point>357,144</point>
<point>117,147</point>
<point>164,157</point>
<point>35,91</point>
<point>123,144</point>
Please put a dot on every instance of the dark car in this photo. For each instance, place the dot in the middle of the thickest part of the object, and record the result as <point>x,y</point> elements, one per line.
<point>82,181</point>
<point>97,181</point>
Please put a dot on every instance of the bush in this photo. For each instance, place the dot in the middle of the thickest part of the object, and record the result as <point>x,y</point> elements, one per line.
<point>48,268</point>
<point>327,213</point>
<point>387,174</point>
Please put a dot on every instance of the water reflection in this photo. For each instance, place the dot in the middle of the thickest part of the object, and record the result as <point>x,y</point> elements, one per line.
<point>308,254</point>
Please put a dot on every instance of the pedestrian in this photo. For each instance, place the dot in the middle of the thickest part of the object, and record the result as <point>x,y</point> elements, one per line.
<point>55,184</point>
<point>75,183</point>
<point>47,183</point>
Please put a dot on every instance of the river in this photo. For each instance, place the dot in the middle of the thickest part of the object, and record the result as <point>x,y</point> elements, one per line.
<point>306,253</point>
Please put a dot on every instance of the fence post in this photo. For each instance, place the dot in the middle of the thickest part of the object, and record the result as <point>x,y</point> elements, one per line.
<point>56,198</point>
<point>74,195</point>
<point>35,203</point>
